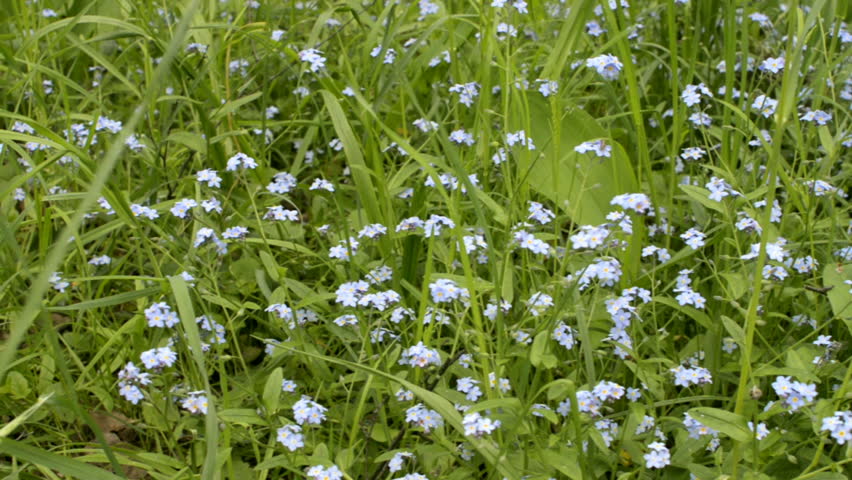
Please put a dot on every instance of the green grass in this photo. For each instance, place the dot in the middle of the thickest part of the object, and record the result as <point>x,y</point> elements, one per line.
<point>351,123</point>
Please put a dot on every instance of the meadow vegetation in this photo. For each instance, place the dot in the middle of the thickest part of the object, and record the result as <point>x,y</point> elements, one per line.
<point>408,240</point>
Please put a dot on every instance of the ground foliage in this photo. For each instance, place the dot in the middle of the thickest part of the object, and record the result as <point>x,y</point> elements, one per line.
<point>444,240</point>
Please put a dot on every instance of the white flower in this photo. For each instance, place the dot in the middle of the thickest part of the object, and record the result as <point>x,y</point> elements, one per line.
<point>313,57</point>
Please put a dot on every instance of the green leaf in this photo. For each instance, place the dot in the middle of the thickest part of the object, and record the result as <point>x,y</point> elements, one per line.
<point>383,433</point>
<point>243,269</point>
<point>111,300</point>
<point>270,265</point>
<point>587,183</point>
<point>700,194</point>
<point>827,140</point>
<point>735,330</point>
<point>827,476</point>
<point>565,461</point>
<point>345,458</point>
<point>18,385</point>
<point>768,370</point>
<point>500,215</point>
<point>221,301</point>
<point>234,105</point>
<point>731,424</point>
<point>511,404</point>
<point>800,360</point>
<point>20,419</point>
<point>275,462</point>
<point>702,318</point>
<point>241,416</point>
<point>737,284</point>
<point>360,171</point>
<point>187,319</point>
<point>67,466</point>
<point>834,275</point>
<point>193,141</point>
<point>559,388</point>
<point>703,473</point>
<point>272,391</point>
<point>540,355</point>
<point>571,31</point>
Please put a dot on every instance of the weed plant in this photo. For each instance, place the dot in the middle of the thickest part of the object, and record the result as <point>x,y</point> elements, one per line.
<point>425,240</point>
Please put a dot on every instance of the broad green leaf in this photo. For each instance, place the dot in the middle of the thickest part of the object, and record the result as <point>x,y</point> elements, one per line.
<point>275,462</point>
<point>734,330</point>
<point>703,473</point>
<point>827,140</point>
<point>540,355</point>
<point>841,300</point>
<point>241,416</point>
<point>731,424</point>
<point>737,284</point>
<point>587,183</point>
<point>700,195</point>
<point>826,476</point>
<point>270,265</point>
<point>800,360</point>
<point>565,461</point>
<point>702,318</point>
<point>192,141</point>
<point>499,213</point>
<point>272,391</point>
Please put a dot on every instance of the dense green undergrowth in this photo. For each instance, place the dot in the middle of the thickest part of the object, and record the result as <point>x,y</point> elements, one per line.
<point>425,239</point>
